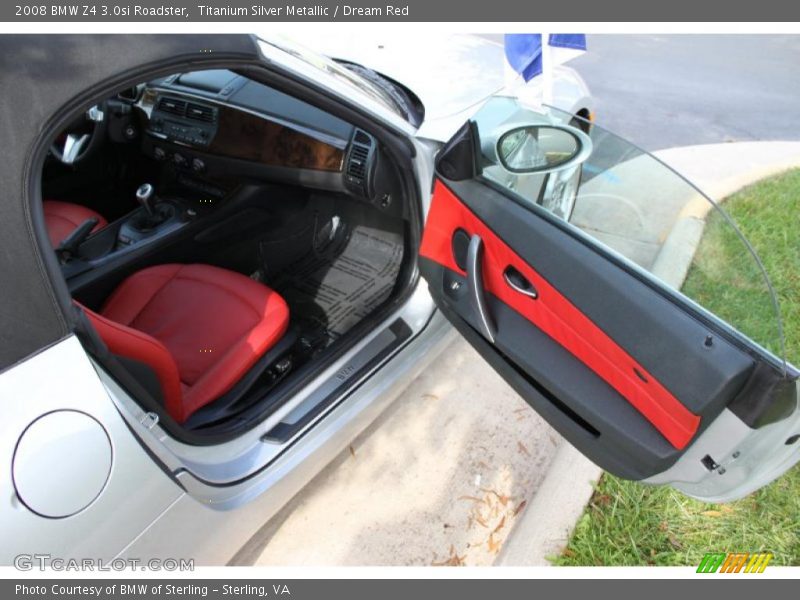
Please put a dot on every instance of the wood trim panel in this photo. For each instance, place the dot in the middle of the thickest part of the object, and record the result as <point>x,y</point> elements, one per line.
<point>250,137</point>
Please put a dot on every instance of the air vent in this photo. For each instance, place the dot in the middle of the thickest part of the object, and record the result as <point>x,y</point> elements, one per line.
<point>172,105</point>
<point>362,138</point>
<point>199,112</point>
<point>357,165</point>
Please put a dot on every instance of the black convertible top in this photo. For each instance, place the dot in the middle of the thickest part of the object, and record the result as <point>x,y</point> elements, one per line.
<point>43,80</point>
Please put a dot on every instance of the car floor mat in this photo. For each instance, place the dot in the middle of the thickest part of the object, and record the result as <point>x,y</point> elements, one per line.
<point>328,295</point>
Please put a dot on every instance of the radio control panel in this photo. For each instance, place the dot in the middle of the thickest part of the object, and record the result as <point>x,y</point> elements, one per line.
<point>183,121</point>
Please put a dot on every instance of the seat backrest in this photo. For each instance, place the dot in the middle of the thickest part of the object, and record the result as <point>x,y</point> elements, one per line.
<point>138,346</point>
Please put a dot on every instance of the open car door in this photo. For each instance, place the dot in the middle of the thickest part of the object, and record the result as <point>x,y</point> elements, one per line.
<point>585,272</point>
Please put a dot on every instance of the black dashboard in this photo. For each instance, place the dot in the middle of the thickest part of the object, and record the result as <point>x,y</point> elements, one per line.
<point>220,125</point>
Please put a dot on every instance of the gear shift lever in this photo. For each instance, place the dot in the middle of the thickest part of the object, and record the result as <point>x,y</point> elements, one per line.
<point>145,194</point>
<point>153,214</point>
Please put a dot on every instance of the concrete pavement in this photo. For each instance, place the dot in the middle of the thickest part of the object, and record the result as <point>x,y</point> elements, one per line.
<point>460,470</point>
<point>440,478</point>
<point>613,209</point>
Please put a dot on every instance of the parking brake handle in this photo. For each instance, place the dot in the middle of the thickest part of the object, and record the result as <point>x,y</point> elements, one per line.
<point>70,244</point>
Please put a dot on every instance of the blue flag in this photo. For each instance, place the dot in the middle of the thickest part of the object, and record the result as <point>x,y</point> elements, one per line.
<point>524,50</point>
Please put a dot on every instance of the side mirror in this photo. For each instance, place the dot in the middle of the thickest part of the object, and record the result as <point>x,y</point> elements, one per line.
<point>542,148</point>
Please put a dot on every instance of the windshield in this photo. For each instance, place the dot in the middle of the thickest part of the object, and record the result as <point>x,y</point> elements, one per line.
<point>331,67</point>
<point>630,203</point>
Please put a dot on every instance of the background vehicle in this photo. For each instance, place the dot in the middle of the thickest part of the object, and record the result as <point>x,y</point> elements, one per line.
<point>270,171</point>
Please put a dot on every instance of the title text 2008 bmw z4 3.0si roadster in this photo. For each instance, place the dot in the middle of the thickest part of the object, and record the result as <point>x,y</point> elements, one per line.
<point>223,256</point>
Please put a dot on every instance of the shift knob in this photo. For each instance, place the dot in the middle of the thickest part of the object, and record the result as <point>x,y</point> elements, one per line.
<point>144,196</point>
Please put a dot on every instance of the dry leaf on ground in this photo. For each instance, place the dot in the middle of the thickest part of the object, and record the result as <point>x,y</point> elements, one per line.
<point>472,499</point>
<point>500,525</point>
<point>502,498</point>
<point>494,545</point>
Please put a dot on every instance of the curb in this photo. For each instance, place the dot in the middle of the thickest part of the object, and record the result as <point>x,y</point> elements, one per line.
<point>552,514</point>
<point>719,170</point>
<point>673,261</point>
<point>545,527</point>
<point>764,159</point>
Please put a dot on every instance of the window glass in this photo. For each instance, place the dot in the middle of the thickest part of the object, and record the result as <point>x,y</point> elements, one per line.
<point>628,201</point>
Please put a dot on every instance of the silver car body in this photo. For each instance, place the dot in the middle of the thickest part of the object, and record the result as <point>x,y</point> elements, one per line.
<point>165,498</point>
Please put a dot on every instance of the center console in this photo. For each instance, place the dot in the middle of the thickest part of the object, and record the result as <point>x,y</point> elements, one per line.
<point>156,219</point>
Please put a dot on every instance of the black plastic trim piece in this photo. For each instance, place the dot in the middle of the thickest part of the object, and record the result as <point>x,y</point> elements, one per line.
<point>765,399</point>
<point>458,161</point>
<point>460,248</point>
<point>554,400</point>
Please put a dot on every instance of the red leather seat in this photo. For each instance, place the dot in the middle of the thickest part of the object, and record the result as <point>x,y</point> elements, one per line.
<point>199,328</point>
<point>62,218</point>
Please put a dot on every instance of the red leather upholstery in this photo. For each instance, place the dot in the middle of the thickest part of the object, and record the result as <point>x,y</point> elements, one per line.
<point>143,348</point>
<point>200,328</point>
<point>62,218</point>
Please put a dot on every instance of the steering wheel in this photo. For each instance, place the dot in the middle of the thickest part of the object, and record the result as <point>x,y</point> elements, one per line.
<point>82,137</point>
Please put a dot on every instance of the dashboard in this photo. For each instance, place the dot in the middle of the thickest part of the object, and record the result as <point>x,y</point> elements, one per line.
<point>218,124</point>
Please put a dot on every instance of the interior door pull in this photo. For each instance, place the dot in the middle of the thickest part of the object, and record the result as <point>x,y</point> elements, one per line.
<point>519,283</point>
<point>477,297</point>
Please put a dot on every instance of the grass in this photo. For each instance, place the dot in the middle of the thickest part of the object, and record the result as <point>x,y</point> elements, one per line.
<point>627,523</point>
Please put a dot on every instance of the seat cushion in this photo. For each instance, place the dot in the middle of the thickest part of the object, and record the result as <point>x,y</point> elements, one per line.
<point>215,324</point>
<point>62,218</point>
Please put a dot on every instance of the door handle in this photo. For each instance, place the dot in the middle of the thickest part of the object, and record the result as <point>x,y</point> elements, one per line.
<point>519,283</point>
<point>475,287</point>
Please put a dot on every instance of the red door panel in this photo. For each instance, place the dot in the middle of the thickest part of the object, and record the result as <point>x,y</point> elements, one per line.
<point>555,315</point>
